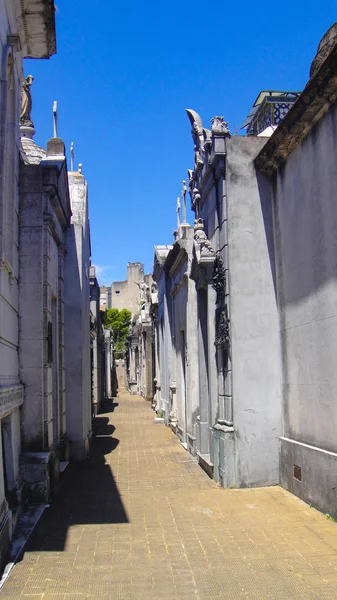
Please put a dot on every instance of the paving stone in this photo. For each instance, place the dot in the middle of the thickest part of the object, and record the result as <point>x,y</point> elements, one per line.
<point>145,522</point>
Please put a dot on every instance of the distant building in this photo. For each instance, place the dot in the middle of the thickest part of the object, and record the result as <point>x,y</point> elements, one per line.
<point>125,294</point>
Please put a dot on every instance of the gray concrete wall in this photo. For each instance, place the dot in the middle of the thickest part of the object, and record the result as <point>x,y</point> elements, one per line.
<point>255,348</point>
<point>306,234</point>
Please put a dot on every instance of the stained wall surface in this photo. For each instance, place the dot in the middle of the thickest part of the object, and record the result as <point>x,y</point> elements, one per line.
<point>306,237</point>
<point>125,294</point>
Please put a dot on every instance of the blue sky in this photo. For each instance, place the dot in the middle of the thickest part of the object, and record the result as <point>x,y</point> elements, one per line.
<point>123,75</point>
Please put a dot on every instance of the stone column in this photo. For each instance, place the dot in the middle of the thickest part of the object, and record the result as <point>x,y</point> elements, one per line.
<point>192,367</point>
<point>212,358</point>
<point>94,375</point>
<point>221,385</point>
<point>156,380</point>
<point>203,419</point>
<point>108,389</point>
<point>133,364</point>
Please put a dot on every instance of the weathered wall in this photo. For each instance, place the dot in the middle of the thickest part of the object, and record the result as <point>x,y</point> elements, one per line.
<point>125,294</point>
<point>306,234</point>
<point>11,390</point>
<point>77,319</point>
<point>10,88</point>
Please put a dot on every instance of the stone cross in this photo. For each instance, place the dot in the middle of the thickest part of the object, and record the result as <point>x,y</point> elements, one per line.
<point>55,118</point>
<point>72,155</point>
<point>183,197</point>
<point>178,211</point>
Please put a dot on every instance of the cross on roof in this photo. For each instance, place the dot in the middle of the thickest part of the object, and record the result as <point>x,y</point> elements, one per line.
<point>55,118</point>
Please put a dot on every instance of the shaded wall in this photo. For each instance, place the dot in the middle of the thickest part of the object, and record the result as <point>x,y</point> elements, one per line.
<point>306,234</point>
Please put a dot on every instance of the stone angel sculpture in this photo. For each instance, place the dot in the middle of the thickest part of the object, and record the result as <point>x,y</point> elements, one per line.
<point>26,102</point>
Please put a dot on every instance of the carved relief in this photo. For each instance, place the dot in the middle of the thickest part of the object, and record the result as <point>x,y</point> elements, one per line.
<point>222,337</point>
<point>219,126</point>
<point>197,129</point>
<point>198,138</point>
<point>11,397</point>
<point>206,249</point>
<point>219,276</point>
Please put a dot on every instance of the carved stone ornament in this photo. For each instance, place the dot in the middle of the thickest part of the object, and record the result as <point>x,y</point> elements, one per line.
<point>26,102</point>
<point>196,199</point>
<point>208,139</point>
<point>197,129</point>
<point>222,336</point>
<point>219,126</point>
<point>198,161</point>
<point>206,249</point>
<point>190,185</point>
<point>219,276</point>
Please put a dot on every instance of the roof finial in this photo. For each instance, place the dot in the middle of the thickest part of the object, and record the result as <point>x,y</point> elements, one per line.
<point>72,155</point>
<point>55,118</point>
<point>80,168</point>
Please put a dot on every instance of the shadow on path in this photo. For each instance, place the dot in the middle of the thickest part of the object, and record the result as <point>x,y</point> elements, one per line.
<point>87,494</point>
<point>108,406</point>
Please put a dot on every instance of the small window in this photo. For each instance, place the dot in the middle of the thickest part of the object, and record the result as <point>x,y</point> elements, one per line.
<point>117,292</point>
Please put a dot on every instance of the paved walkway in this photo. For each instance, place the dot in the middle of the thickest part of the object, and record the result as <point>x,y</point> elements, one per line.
<point>140,520</point>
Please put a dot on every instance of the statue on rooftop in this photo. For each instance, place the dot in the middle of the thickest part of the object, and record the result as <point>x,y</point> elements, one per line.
<point>26,102</point>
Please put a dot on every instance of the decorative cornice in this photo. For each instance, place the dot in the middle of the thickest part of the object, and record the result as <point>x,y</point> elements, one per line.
<point>36,20</point>
<point>10,398</point>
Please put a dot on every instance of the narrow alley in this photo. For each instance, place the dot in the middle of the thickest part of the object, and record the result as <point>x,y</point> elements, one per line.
<point>140,519</point>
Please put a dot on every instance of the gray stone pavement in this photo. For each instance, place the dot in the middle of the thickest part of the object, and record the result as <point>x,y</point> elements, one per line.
<point>140,520</point>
